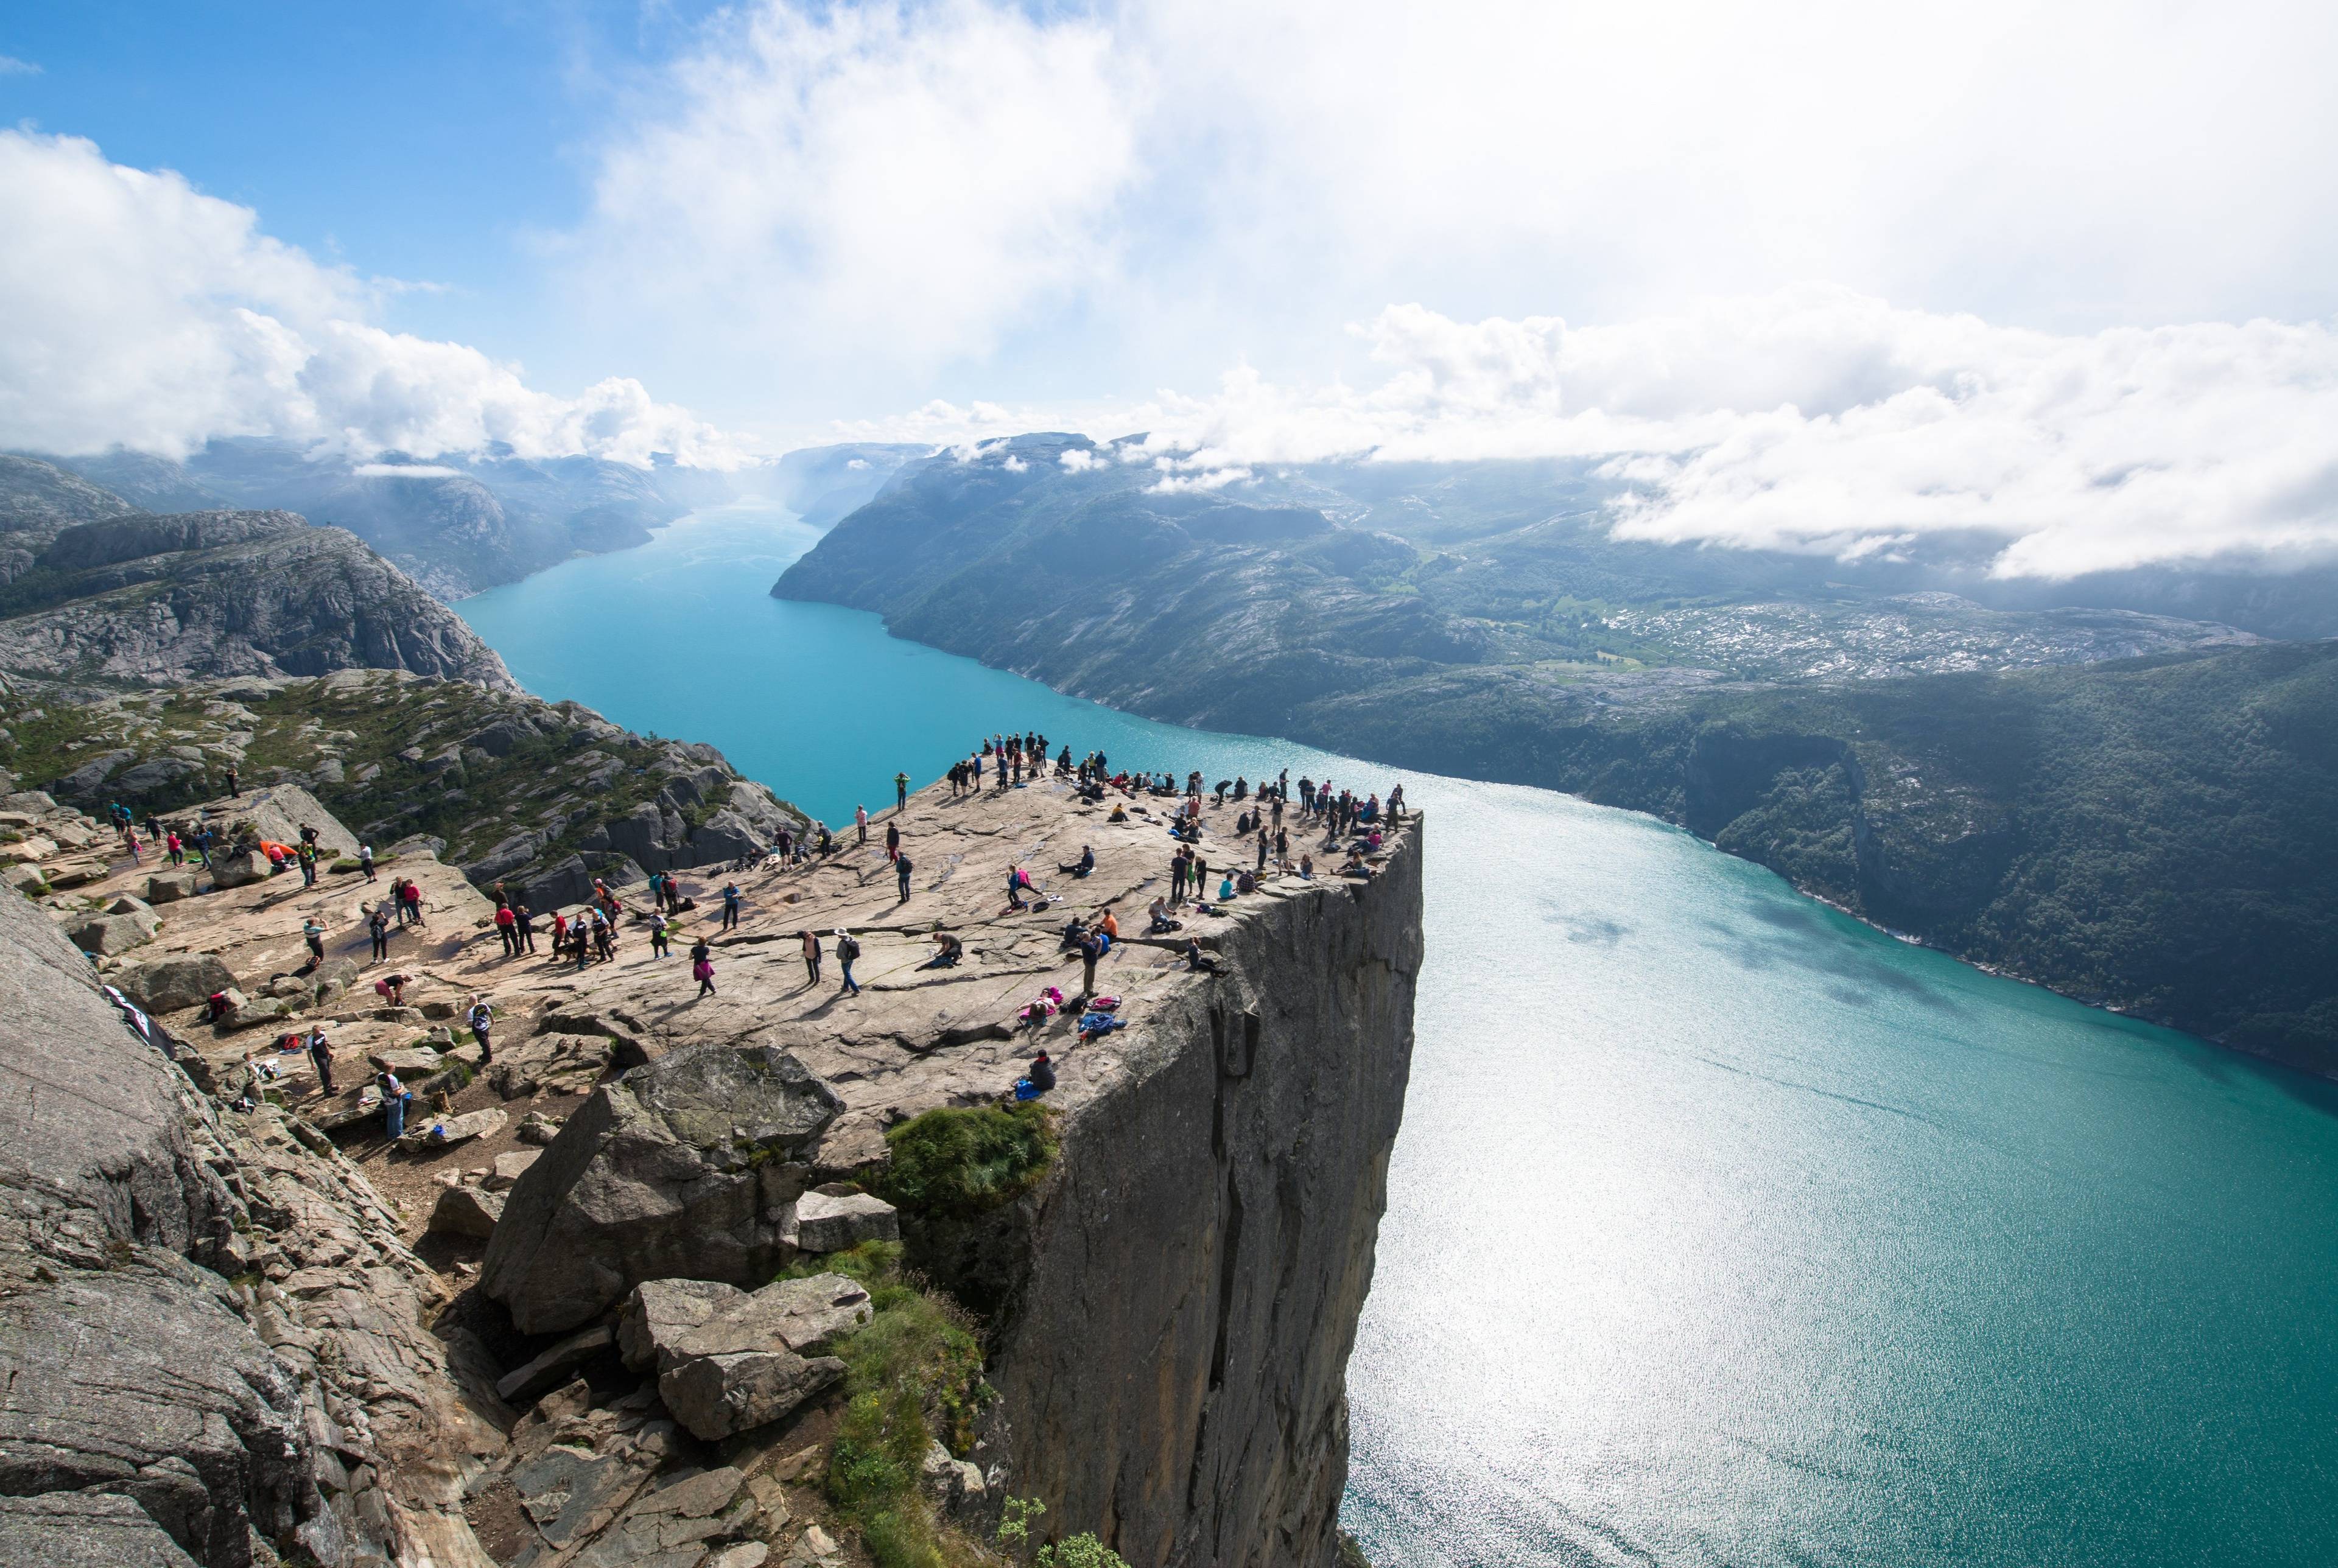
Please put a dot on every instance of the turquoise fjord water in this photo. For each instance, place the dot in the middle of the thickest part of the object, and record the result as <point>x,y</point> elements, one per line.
<point>1723,1230</point>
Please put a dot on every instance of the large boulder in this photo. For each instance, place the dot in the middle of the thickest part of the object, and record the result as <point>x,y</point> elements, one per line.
<point>714,1397</point>
<point>168,985</point>
<point>466,1212</point>
<point>239,870</point>
<point>660,1309</point>
<point>107,935</point>
<point>170,886</point>
<point>667,1322</point>
<point>683,1166</point>
<point>831,1222</point>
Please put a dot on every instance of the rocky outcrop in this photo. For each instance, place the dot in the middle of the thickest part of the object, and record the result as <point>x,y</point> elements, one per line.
<point>156,601</point>
<point>542,798</point>
<point>302,1407</point>
<point>1229,1189</point>
<point>683,1167</point>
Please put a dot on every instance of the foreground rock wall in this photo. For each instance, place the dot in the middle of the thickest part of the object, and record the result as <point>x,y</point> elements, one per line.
<point>202,1314</point>
<point>1175,1371</point>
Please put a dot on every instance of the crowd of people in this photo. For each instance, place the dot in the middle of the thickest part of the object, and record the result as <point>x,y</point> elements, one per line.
<point>1210,868</point>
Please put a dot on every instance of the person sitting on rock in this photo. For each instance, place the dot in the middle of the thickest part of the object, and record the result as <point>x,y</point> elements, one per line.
<point>1081,866</point>
<point>1119,811</point>
<point>1355,867</point>
<point>952,949</point>
<point>1037,1081</point>
<point>1199,962</point>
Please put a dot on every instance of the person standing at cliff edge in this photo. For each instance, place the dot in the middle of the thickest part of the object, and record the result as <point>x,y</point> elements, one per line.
<point>860,820</point>
<point>900,792</point>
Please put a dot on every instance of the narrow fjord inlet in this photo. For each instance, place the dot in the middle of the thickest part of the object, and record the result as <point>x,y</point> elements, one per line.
<point>1167,784</point>
<point>1721,1229</point>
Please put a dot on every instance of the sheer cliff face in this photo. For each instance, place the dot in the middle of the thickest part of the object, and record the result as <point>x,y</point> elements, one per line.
<point>1175,1360</point>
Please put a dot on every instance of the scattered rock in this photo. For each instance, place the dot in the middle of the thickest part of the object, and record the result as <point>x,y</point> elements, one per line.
<point>248,1013</point>
<point>670,1172</point>
<point>126,905</point>
<point>805,1315</point>
<point>466,1212</point>
<point>170,886</point>
<point>746,1554</point>
<point>169,984</point>
<point>440,1132</point>
<point>575,1060</point>
<point>825,1223</point>
<point>410,1064</point>
<point>510,1168</point>
<point>107,935</point>
<point>538,1127</point>
<point>238,870</point>
<point>551,1369</point>
<point>814,1546</point>
<point>713,1397</point>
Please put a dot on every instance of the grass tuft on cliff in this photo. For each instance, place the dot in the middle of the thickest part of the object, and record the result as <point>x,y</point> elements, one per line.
<point>959,1163</point>
<point>914,1377</point>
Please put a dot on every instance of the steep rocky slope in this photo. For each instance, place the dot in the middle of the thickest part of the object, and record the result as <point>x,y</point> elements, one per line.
<point>1169,1299</point>
<point>540,796</point>
<point>137,598</point>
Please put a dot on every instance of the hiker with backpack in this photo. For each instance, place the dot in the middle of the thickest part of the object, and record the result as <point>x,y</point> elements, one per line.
<point>846,950</point>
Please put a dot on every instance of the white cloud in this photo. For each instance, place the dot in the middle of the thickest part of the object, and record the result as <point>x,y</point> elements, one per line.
<point>406,471</point>
<point>145,314</point>
<point>12,66</point>
<point>1817,420</point>
<point>884,181</point>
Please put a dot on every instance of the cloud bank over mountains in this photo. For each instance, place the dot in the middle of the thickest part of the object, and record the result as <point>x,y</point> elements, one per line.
<point>145,314</point>
<point>1818,420</point>
<point>1838,279</point>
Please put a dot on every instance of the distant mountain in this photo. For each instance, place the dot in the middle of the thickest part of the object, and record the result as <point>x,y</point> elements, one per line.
<point>37,502</point>
<point>2128,806</point>
<point>1059,559</point>
<point>459,524</point>
<point>823,484</point>
<point>133,598</point>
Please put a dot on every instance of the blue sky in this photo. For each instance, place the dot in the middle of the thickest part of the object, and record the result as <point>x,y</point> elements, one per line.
<point>427,141</point>
<point>1884,242</point>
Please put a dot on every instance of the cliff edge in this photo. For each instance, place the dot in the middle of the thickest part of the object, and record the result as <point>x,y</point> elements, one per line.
<point>609,1299</point>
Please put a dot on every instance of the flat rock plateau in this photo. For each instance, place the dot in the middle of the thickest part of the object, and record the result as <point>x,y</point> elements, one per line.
<point>244,1326</point>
